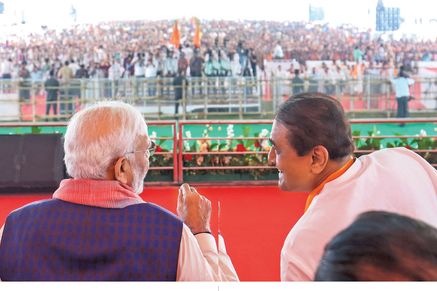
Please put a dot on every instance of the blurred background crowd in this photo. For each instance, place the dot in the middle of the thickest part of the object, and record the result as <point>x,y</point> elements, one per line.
<point>225,48</point>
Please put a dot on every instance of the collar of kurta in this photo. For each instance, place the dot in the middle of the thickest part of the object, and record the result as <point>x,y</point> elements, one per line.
<point>331,177</point>
<point>98,193</point>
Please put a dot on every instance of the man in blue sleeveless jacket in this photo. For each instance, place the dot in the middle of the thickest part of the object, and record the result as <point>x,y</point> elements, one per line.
<point>97,227</point>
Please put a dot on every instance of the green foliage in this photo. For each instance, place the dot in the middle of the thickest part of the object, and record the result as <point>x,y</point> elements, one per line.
<point>36,130</point>
<point>400,142</point>
<point>420,143</point>
<point>236,157</point>
<point>425,143</point>
<point>238,146</point>
<point>162,158</point>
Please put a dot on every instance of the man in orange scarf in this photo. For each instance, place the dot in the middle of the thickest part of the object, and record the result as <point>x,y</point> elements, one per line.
<point>313,151</point>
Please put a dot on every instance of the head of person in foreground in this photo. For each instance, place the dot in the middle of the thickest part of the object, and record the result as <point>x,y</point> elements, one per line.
<point>381,246</point>
<point>108,141</point>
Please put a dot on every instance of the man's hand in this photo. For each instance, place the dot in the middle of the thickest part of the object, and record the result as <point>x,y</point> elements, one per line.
<point>194,209</point>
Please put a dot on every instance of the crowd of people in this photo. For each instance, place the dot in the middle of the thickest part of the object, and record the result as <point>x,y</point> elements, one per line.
<point>228,48</point>
<point>97,227</point>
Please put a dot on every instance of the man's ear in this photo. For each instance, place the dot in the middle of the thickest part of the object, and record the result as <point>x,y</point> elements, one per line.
<point>319,159</point>
<point>122,170</point>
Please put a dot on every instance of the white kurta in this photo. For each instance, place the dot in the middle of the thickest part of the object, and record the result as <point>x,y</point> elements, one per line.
<point>394,180</point>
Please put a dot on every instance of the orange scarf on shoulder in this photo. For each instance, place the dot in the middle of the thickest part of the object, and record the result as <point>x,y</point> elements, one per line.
<point>331,177</point>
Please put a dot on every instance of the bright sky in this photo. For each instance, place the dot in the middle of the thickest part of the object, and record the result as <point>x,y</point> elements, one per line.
<point>57,12</point>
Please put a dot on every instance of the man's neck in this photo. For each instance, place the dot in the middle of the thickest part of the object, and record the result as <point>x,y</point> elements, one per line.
<point>331,167</point>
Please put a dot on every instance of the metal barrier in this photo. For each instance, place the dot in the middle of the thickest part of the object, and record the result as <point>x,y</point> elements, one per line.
<point>238,159</point>
<point>424,145</point>
<point>169,154</point>
<point>203,97</point>
<point>249,157</point>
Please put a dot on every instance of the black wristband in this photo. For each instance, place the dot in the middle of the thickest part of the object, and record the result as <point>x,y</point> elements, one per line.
<point>202,232</point>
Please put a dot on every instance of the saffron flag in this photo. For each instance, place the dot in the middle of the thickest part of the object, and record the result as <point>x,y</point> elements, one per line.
<point>197,33</point>
<point>176,37</point>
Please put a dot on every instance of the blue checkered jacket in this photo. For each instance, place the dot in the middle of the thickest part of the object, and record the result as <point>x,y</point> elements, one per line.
<point>56,240</point>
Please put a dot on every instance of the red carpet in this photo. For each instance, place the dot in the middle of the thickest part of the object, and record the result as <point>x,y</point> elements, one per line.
<point>254,222</point>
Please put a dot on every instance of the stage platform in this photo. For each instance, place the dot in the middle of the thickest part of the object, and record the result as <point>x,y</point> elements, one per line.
<point>254,221</point>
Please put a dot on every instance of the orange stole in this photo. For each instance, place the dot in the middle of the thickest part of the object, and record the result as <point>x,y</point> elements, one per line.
<point>331,177</point>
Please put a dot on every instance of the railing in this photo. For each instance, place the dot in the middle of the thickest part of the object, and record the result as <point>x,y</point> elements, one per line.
<point>206,154</point>
<point>168,128</point>
<point>423,144</point>
<point>237,97</point>
<point>244,157</point>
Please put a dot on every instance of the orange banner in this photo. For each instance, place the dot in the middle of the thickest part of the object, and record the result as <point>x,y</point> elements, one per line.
<point>197,33</point>
<point>176,37</point>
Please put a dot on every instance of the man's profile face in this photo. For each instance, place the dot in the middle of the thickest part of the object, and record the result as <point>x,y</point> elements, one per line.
<point>294,170</point>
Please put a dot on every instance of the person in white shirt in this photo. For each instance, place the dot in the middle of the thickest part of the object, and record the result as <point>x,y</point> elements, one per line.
<point>139,73</point>
<point>97,227</point>
<point>73,66</point>
<point>100,54</point>
<point>6,69</point>
<point>282,80</point>
<point>115,73</point>
<point>277,52</point>
<point>312,148</point>
<point>151,74</point>
<point>402,90</point>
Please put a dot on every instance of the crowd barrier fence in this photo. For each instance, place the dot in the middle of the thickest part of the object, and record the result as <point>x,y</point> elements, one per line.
<point>201,98</point>
<point>202,158</point>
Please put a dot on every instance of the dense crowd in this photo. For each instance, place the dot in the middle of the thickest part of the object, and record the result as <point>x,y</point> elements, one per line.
<point>228,48</point>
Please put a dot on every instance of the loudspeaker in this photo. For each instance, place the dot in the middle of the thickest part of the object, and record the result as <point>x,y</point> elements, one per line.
<point>31,162</point>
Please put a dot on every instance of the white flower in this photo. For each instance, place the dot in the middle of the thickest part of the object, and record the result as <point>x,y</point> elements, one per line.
<point>210,128</point>
<point>264,133</point>
<point>205,132</point>
<point>423,132</point>
<point>186,146</point>
<point>153,135</point>
<point>188,134</point>
<point>265,144</point>
<point>219,128</point>
<point>230,132</point>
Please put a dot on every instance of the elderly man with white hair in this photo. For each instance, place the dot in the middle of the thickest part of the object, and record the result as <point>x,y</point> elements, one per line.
<point>97,227</point>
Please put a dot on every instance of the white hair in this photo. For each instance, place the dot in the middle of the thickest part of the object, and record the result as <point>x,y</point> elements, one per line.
<point>98,135</point>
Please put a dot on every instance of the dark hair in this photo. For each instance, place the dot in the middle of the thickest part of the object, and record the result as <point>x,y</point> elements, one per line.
<point>402,73</point>
<point>380,246</point>
<point>316,119</point>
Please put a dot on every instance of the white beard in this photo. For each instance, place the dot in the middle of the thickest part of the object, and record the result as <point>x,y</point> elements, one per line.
<point>138,178</point>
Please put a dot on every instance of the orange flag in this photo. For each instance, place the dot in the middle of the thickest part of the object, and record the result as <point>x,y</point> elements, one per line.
<point>176,37</point>
<point>197,33</point>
